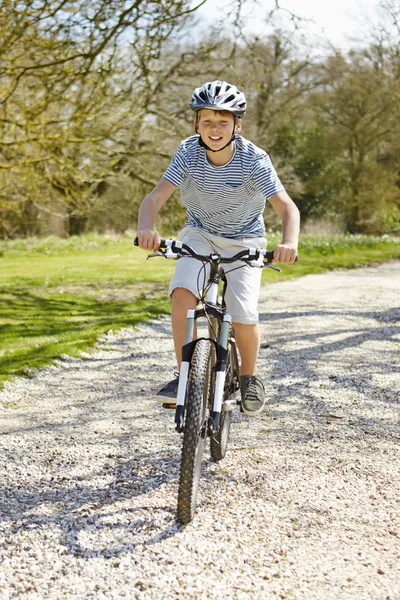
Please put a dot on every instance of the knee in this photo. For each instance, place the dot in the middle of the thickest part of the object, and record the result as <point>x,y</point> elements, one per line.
<point>246,329</point>
<point>183,298</point>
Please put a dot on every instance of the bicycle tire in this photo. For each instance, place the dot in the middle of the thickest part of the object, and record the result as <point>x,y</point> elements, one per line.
<point>193,442</point>
<point>219,442</point>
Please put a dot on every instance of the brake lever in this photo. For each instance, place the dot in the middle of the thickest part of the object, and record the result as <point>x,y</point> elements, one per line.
<point>158,253</point>
<point>166,254</point>
<point>272,266</point>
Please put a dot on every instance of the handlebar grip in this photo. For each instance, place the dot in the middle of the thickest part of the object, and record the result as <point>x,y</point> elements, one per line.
<point>136,242</point>
<point>269,256</point>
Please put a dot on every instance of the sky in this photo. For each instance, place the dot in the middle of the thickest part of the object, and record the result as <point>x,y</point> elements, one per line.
<point>334,19</point>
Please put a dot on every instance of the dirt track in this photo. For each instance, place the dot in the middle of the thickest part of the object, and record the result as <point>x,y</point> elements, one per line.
<point>306,504</point>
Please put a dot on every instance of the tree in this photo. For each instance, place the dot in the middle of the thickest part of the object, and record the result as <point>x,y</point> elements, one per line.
<point>74,104</point>
<point>360,104</point>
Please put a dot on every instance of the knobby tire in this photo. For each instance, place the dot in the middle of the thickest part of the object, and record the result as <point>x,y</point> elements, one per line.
<point>219,442</point>
<point>193,442</point>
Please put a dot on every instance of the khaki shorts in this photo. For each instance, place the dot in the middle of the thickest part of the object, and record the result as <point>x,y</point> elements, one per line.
<point>243,284</point>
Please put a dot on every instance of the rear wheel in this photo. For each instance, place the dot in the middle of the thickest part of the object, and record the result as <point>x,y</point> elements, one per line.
<point>194,430</point>
<point>219,442</point>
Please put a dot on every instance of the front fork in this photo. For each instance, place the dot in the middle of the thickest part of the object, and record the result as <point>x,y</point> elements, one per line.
<point>221,349</point>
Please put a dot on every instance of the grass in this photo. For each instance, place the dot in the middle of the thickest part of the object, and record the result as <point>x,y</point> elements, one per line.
<point>318,254</point>
<point>36,328</point>
<point>57,296</point>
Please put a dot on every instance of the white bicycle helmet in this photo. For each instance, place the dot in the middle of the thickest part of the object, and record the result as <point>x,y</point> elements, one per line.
<point>219,95</point>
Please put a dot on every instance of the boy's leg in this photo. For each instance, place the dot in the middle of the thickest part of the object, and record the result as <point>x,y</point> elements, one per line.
<point>248,341</point>
<point>184,286</point>
<point>189,274</point>
<point>252,388</point>
<point>241,301</point>
<point>182,301</point>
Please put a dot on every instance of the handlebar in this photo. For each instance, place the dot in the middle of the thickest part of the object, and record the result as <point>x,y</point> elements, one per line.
<point>251,256</point>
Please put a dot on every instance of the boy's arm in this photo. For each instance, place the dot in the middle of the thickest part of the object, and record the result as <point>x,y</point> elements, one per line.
<point>149,238</point>
<point>289,213</point>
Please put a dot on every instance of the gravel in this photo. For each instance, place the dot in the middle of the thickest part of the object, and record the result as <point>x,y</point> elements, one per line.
<point>304,506</point>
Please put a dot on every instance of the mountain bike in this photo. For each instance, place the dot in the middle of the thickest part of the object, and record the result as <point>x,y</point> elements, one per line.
<point>209,378</point>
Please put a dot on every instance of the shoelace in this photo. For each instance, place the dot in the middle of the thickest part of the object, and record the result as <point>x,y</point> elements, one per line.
<point>172,384</point>
<point>252,387</point>
<point>175,381</point>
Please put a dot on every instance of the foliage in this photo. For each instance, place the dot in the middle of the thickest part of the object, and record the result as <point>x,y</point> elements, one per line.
<point>94,101</point>
<point>79,108</point>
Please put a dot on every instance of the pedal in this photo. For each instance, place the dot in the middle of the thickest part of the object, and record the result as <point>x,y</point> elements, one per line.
<point>179,419</point>
<point>169,405</point>
<point>210,427</point>
<point>229,404</point>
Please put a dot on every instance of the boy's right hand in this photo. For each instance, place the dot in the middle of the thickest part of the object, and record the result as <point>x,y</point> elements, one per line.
<point>149,239</point>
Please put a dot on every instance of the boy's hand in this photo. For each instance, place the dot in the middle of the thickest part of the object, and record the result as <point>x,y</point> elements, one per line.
<point>285,253</point>
<point>149,239</point>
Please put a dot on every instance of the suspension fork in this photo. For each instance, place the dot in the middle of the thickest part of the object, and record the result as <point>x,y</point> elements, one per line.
<point>221,358</point>
<point>187,349</point>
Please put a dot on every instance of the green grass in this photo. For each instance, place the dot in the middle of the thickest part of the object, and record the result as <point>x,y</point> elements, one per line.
<point>318,254</point>
<point>90,260</point>
<point>57,296</point>
<point>36,328</point>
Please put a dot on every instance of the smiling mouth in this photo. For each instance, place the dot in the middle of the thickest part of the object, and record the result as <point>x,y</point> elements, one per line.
<point>215,138</point>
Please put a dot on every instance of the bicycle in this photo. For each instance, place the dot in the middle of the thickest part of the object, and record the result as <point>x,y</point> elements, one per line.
<point>209,376</point>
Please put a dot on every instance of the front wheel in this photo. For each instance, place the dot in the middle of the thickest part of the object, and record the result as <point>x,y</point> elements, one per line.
<point>194,432</point>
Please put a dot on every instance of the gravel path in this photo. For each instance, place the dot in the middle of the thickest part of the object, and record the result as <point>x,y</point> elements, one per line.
<point>304,506</point>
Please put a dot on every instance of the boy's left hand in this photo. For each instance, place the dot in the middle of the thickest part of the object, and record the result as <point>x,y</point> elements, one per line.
<point>285,253</point>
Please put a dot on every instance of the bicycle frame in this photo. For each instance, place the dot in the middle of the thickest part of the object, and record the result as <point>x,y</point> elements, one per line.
<point>216,312</point>
<point>213,310</point>
<point>209,372</point>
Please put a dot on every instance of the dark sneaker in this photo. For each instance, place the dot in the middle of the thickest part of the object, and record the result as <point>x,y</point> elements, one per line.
<point>170,390</point>
<point>253,394</point>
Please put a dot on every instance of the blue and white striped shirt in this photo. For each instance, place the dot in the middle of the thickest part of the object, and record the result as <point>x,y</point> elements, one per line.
<point>226,200</point>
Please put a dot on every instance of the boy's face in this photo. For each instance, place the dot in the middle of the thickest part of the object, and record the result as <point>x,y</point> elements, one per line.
<point>216,127</point>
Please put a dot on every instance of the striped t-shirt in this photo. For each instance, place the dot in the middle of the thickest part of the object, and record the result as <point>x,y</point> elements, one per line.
<point>226,200</point>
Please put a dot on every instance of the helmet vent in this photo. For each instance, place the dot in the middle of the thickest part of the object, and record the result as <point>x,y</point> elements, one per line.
<point>219,95</point>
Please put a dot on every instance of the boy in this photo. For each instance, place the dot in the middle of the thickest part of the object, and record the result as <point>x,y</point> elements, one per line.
<point>224,180</point>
